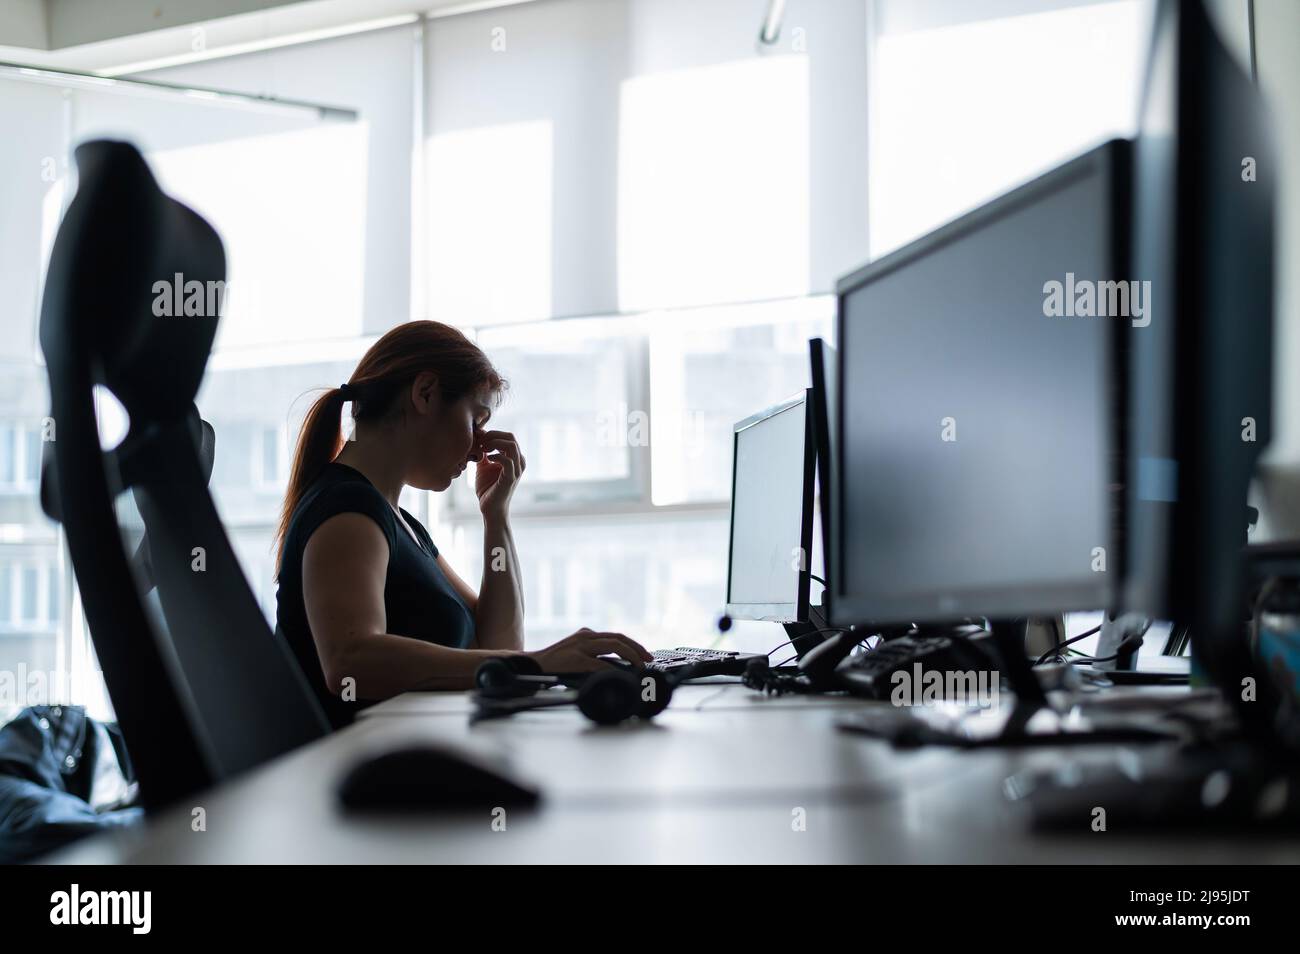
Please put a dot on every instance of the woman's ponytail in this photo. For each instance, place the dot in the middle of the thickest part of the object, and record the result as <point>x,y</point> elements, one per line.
<point>319,442</point>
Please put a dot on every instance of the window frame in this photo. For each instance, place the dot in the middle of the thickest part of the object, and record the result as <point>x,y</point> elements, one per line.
<point>557,497</point>
<point>22,619</point>
<point>261,483</point>
<point>25,480</point>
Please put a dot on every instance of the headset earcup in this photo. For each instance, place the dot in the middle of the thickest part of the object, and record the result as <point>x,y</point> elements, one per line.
<point>654,692</point>
<point>495,679</point>
<point>610,696</point>
<point>523,665</point>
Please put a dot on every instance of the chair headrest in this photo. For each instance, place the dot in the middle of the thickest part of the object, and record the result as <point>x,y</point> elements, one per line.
<point>124,244</point>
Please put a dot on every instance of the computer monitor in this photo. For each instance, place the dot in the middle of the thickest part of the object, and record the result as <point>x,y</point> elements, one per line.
<point>771,514</point>
<point>977,420</point>
<point>1201,373</point>
<point>823,395</point>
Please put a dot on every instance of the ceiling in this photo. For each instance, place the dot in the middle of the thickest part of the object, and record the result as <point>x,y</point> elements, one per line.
<point>119,36</point>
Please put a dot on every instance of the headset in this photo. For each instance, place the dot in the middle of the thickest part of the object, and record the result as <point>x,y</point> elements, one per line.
<point>511,684</point>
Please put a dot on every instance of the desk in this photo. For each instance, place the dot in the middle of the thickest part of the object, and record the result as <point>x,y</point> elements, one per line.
<point>714,779</point>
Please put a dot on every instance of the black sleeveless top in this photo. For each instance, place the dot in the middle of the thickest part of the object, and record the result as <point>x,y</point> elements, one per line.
<point>419,600</point>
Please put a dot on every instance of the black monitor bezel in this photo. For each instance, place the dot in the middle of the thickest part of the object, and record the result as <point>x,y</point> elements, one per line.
<point>820,355</point>
<point>1188,559</point>
<point>1112,160</point>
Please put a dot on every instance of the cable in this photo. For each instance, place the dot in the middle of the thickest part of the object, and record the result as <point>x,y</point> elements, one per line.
<point>815,632</point>
<point>1129,644</point>
<point>1093,659</point>
<point>796,655</point>
<point>1056,650</point>
<point>814,576</point>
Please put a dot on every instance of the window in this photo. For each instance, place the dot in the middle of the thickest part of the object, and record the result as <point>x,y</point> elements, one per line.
<point>655,576</point>
<point>32,461</point>
<point>1023,86</point>
<point>30,611</point>
<point>28,594</point>
<point>489,257</point>
<point>20,456</point>
<point>724,148</point>
<point>576,403</point>
<point>709,370</point>
<point>273,472</point>
<point>618,156</point>
<point>232,467</point>
<point>8,455</point>
<point>684,202</point>
<point>297,278</point>
<point>645,550</point>
<point>53,594</point>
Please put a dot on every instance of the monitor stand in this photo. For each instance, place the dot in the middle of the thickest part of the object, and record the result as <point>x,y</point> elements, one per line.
<point>1009,639</point>
<point>805,635</point>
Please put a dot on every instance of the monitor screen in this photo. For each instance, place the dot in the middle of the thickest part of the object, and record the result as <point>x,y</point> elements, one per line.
<point>771,508</point>
<point>977,414</point>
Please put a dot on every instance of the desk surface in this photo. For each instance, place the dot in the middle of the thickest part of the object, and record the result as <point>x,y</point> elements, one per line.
<point>718,777</point>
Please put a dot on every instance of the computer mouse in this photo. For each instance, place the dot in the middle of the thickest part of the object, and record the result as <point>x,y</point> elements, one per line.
<point>431,777</point>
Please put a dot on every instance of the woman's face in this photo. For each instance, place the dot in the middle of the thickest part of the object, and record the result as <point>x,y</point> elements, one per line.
<point>448,435</point>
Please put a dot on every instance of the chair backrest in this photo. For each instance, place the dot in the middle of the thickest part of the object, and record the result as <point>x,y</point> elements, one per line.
<point>142,561</point>
<point>216,694</point>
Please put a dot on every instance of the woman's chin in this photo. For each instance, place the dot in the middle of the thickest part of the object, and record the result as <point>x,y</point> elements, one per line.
<point>436,484</point>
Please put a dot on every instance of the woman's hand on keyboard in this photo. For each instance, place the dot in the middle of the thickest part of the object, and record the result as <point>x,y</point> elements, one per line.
<point>581,652</point>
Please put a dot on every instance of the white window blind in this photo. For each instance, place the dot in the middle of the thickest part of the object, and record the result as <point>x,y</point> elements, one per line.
<point>970,99</point>
<point>595,157</point>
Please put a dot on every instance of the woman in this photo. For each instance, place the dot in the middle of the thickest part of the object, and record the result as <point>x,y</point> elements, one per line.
<point>366,601</point>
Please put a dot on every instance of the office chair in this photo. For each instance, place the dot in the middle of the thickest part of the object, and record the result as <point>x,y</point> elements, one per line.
<point>216,693</point>
<point>141,561</point>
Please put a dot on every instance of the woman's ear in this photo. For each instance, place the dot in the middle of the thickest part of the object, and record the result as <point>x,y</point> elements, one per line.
<point>425,393</point>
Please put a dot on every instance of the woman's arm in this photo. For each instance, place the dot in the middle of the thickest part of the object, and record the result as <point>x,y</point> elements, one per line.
<point>494,612</point>
<point>499,614</point>
<point>344,568</point>
<point>499,621</point>
<point>343,572</point>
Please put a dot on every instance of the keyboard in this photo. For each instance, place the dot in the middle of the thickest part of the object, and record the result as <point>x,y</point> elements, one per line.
<point>870,674</point>
<point>703,662</point>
